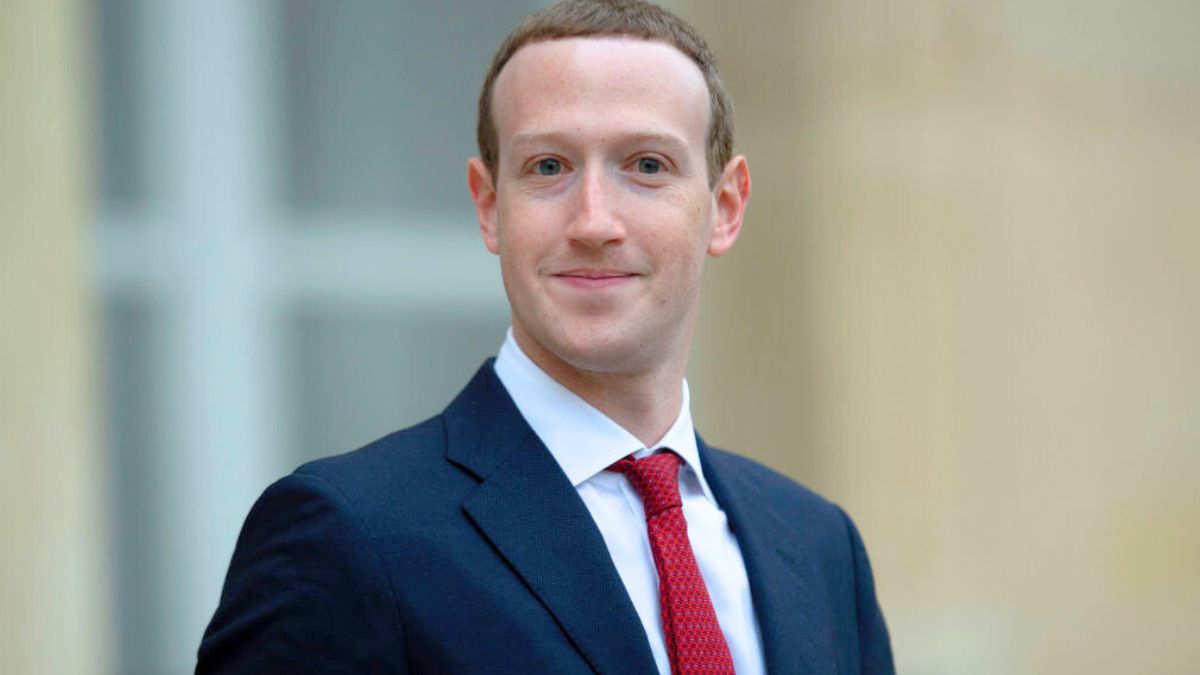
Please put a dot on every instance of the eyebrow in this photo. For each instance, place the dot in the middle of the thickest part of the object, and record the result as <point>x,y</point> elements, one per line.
<point>643,137</point>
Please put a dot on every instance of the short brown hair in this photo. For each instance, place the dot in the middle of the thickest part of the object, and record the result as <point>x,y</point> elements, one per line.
<point>628,18</point>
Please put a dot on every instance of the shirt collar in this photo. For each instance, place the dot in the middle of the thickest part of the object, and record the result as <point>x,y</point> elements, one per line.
<point>583,440</point>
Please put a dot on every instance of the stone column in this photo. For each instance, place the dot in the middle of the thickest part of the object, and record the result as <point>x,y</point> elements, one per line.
<point>54,580</point>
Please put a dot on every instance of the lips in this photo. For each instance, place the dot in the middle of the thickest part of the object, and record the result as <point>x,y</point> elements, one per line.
<point>595,278</point>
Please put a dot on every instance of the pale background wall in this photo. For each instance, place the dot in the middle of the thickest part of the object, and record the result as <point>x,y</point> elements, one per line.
<point>965,306</point>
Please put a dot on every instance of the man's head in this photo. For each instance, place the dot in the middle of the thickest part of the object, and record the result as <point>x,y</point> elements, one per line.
<point>613,18</point>
<point>600,195</point>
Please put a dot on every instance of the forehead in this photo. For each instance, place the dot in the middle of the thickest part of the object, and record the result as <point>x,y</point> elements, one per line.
<point>610,85</point>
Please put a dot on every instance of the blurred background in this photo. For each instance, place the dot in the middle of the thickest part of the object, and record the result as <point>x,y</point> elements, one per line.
<point>234,236</point>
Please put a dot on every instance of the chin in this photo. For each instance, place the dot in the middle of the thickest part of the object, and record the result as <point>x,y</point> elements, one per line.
<point>596,349</point>
<point>609,362</point>
<point>596,353</point>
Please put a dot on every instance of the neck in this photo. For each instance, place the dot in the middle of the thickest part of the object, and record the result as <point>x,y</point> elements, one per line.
<point>645,404</point>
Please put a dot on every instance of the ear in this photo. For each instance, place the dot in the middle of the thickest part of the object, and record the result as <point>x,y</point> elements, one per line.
<point>483,193</point>
<point>732,193</point>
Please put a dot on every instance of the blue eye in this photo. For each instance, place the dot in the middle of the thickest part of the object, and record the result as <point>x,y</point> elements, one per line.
<point>649,165</point>
<point>549,167</point>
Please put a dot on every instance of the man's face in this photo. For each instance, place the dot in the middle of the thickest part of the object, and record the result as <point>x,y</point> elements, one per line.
<point>602,209</point>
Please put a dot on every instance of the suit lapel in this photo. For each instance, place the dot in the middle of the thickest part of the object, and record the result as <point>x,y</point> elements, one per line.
<point>534,517</point>
<point>783,570</point>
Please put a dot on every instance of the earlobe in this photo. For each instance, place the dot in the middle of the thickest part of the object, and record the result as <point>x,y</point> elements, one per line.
<point>483,193</point>
<point>732,196</point>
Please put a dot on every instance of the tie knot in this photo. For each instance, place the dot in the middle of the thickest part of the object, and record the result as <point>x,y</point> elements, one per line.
<point>656,479</point>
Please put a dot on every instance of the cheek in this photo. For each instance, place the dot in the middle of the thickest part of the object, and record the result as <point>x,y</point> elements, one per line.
<point>679,239</point>
<point>526,220</point>
<point>512,227</point>
<point>525,243</point>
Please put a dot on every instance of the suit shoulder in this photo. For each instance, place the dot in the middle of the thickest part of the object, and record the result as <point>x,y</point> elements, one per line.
<point>784,494</point>
<point>777,512</point>
<point>405,450</point>
<point>306,567</point>
<point>405,470</point>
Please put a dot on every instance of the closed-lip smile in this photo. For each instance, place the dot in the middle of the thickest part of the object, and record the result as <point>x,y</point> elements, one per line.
<point>589,278</point>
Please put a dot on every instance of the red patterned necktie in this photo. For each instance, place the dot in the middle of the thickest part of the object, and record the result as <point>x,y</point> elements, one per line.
<point>694,639</point>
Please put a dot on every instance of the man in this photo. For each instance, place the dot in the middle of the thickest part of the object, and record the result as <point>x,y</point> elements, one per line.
<point>561,515</point>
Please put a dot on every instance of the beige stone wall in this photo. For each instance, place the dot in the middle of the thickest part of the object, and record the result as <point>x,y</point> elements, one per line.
<point>53,583</point>
<point>967,307</point>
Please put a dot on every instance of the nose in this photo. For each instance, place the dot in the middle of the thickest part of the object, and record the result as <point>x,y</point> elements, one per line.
<point>595,222</point>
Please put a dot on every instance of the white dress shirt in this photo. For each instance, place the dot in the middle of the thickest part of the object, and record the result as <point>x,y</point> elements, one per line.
<point>585,442</point>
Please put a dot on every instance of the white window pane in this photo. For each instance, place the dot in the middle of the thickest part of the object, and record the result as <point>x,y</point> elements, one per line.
<point>381,98</point>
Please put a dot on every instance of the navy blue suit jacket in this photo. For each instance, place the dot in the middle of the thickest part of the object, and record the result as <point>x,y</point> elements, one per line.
<point>459,546</point>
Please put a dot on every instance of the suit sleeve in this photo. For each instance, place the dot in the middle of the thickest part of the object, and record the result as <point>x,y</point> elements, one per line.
<point>875,647</point>
<point>306,591</point>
